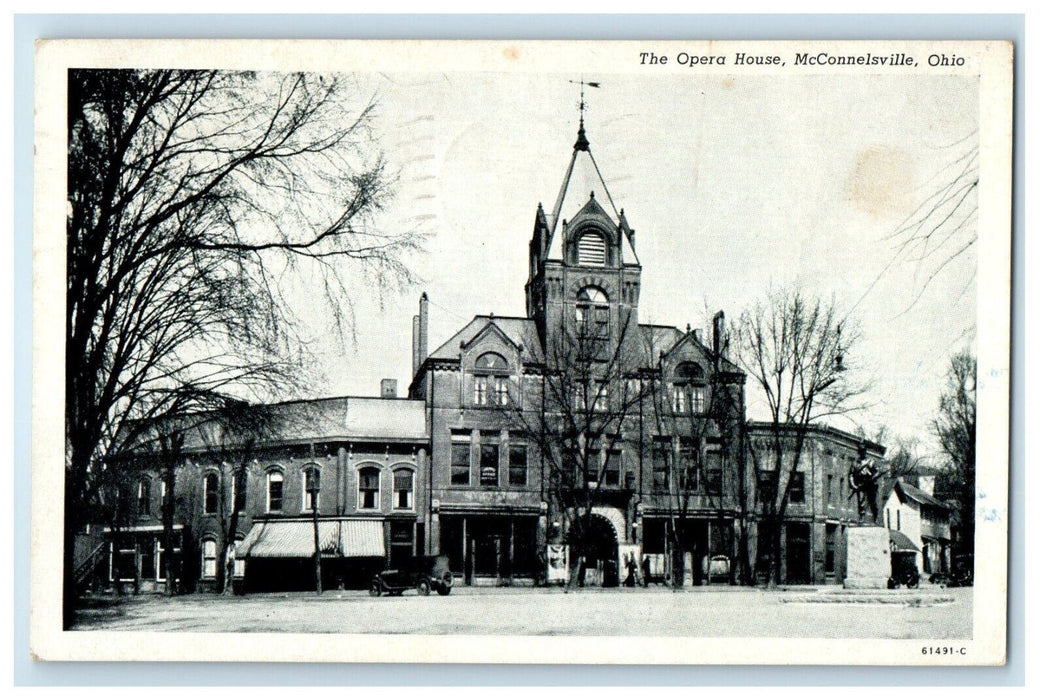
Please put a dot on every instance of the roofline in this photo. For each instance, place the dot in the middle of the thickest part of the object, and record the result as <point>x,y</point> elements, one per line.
<point>818,428</point>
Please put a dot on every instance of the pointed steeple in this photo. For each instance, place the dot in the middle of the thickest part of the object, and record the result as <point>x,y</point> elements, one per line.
<point>582,142</point>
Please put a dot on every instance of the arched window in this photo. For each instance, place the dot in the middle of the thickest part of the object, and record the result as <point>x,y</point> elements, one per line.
<point>145,496</point>
<point>403,488</point>
<point>209,558</point>
<point>592,314</point>
<point>210,493</point>
<point>274,502</point>
<point>370,488</point>
<point>688,391</point>
<point>311,490</point>
<point>239,565</point>
<point>592,249</point>
<point>490,380</point>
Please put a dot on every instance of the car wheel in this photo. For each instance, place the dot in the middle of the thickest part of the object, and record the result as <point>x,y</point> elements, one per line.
<point>443,590</point>
<point>913,583</point>
<point>375,587</point>
<point>424,587</point>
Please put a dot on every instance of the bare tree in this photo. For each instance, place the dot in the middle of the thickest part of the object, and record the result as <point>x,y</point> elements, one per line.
<point>956,431</point>
<point>794,347</point>
<point>578,410</point>
<point>195,197</point>
<point>696,421</point>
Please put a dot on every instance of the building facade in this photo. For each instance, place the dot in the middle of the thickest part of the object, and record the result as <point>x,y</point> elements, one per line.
<point>572,432</point>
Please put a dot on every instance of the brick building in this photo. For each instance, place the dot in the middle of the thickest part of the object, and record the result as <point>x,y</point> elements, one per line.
<point>494,496</point>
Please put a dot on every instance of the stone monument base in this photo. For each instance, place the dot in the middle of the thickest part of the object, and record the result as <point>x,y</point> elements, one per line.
<point>867,557</point>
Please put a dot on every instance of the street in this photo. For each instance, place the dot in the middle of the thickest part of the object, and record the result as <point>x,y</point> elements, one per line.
<point>705,612</point>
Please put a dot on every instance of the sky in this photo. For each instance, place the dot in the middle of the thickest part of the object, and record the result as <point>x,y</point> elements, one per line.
<point>732,183</point>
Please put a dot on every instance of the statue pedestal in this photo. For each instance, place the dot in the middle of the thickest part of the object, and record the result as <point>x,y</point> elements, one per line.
<point>867,557</point>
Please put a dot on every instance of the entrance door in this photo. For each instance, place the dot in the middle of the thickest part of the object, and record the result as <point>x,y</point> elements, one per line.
<point>797,553</point>
<point>596,539</point>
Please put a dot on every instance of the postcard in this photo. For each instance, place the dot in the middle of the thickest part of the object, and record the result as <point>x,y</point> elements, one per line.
<point>657,352</point>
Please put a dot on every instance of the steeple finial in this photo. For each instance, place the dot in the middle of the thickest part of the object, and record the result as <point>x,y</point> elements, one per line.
<point>582,142</point>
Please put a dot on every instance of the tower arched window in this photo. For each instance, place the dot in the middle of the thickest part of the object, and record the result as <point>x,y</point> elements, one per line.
<point>592,314</point>
<point>592,249</point>
<point>490,380</point>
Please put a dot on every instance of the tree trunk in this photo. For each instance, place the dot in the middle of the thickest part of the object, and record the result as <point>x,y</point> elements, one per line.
<point>678,566</point>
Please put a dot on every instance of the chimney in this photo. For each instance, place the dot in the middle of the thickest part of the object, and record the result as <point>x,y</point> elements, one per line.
<point>717,333</point>
<point>388,388</point>
<point>414,348</point>
<point>423,328</point>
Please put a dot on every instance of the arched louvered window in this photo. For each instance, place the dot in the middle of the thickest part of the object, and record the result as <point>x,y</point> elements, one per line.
<point>592,249</point>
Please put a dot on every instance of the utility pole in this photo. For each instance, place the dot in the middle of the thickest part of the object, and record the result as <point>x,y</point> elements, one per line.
<point>314,491</point>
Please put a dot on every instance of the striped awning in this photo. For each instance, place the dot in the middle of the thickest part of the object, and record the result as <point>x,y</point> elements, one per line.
<point>296,539</point>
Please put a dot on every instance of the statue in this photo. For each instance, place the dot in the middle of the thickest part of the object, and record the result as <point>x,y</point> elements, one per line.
<point>864,484</point>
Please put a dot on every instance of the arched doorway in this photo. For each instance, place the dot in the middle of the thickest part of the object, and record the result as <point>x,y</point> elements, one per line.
<point>594,538</point>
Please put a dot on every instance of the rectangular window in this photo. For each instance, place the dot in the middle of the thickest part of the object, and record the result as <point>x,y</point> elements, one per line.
<point>579,397</point>
<point>829,550</point>
<point>698,399</point>
<point>239,493</point>
<point>600,403</point>
<point>488,465</point>
<point>517,465</point>
<point>613,471</point>
<point>679,398</point>
<point>144,504</point>
<point>828,496</point>
<point>460,463</point>
<point>500,391</point>
<point>688,452</point>
<point>767,485</point>
<point>662,455</point>
<point>797,490</point>
<point>479,393</point>
<point>593,463</point>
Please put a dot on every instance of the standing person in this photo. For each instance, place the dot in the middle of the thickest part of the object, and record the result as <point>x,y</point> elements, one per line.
<point>581,572</point>
<point>646,571</point>
<point>630,580</point>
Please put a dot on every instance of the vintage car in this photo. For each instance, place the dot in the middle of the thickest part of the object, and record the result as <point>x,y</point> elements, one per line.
<point>424,574</point>
<point>904,569</point>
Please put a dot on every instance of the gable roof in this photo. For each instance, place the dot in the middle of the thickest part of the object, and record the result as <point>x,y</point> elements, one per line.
<point>521,331</point>
<point>691,338</point>
<point>918,495</point>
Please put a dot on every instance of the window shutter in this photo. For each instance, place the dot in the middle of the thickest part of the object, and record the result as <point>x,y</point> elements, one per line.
<point>592,250</point>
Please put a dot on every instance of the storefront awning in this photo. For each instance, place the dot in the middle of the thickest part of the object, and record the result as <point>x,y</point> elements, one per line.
<point>296,539</point>
<point>899,542</point>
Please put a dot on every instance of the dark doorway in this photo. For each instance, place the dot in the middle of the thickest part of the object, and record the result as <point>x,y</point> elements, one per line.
<point>594,538</point>
<point>797,553</point>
